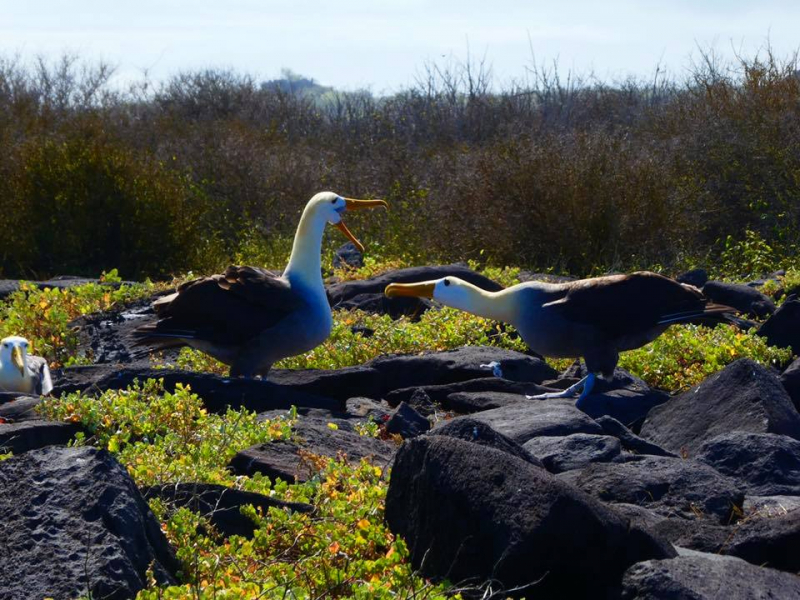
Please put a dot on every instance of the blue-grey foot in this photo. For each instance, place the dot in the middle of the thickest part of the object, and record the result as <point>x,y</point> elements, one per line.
<point>585,385</point>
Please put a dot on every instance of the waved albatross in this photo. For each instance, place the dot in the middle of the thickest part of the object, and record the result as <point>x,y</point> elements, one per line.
<point>249,318</point>
<point>593,318</point>
<point>20,372</point>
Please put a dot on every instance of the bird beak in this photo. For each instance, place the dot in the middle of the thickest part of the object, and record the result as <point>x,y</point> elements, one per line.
<point>353,204</point>
<point>417,290</point>
<point>16,358</point>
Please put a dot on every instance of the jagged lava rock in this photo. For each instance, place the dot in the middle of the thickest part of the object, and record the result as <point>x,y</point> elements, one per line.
<point>440,393</point>
<point>31,434</point>
<point>283,460</point>
<point>744,396</point>
<point>629,440</point>
<point>782,329</point>
<point>743,298</point>
<point>16,408</point>
<point>221,504</point>
<point>766,464</point>
<point>472,402</point>
<point>700,576</point>
<point>348,255</point>
<point>73,523</point>
<point>471,513</point>
<point>790,379</point>
<point>574,451</point>
<point>477,432</point>
<point>407,422</point>
<point>403,371</point>
<point>772,541</point>
<point>669,486</point>
<point>522,421</point>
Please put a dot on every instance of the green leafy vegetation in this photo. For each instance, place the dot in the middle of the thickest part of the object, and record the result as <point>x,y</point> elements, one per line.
<point>343,549</point>
<point>43,316</point>
<point>685,355</point>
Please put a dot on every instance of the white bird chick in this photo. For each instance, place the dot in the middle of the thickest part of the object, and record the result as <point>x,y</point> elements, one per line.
<point>20,372</point>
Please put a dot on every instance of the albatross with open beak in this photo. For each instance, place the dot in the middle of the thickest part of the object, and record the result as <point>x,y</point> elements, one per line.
<point>591,318</point>
<point>249,318</point>
<point>20,372</point>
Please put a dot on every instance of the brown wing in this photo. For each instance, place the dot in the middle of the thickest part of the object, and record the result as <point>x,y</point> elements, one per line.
<point>623,304</point>
<point>229,308</point>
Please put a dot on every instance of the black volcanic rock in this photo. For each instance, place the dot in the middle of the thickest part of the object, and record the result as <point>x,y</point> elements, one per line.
<point>743,298</point>
<point>72,523</point>
<point>669,486</point>
<point>765,464</point>
<point>522,421</point>
<point>440,393</point>
<point>744,396</point>
<point>477,432</point>
<point>31,434</point>
<point>629,440</point>
<point>574,451</point>
<point>284,459</point>
<point>434,368</point>
<point>407,422</point>
<point>701,576</point>
<point>471,513</point>
<point>790,379</point>
<point>782,329</point>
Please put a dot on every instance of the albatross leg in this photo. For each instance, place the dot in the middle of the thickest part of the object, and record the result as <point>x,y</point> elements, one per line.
<point>585,385</point>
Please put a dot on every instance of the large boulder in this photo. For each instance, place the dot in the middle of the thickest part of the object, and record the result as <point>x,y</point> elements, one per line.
<point>473,513</point>
<point>477,432</point>
<point>573,451</point>
<point>743,298</point>
<point>783,328</point>
<point>744,396</point>
<point>16,409</point>
<point>285,459</point>
<point>407,422</point>
<point>413,370</point>
<point>72,523</point>
<point>522,421</point>
<point>770,540</point>
<point>765,464</point>
<point>790,379</point>
<point>668,486</point>
<point>700,576</point>
<point>472,402</point>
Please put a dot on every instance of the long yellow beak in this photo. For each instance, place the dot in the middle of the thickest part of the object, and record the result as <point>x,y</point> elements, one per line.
<point>353,204</point>
<point>16,358</point>
<point>417,290</point>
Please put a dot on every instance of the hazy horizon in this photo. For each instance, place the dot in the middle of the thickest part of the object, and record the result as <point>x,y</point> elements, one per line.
<point>384,46</point>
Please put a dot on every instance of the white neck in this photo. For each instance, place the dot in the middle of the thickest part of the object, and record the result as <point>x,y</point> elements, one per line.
<point>500,306</point>
<point>305,263</point>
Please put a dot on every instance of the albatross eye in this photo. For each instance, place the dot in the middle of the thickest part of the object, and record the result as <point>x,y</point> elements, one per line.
<point>447,282</point>
<point>334,201</point>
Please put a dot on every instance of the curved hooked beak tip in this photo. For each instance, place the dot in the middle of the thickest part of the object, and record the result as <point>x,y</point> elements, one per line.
<point>353,204</point>
<point>415,290</point>
<point>349,235</point>
<point>18,360</point>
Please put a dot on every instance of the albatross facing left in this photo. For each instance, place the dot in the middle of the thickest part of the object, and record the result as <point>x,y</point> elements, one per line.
<point>249,318</point>
<point>591,318</point>
<point>20,372</point>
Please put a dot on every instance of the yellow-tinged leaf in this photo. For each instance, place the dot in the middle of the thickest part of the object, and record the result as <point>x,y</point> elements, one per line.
<point>363,524</point>
<point>333,426</point>
<point>334,548</point>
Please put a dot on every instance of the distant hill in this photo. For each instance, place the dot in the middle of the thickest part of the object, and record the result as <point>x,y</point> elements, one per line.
<point>293,82</point>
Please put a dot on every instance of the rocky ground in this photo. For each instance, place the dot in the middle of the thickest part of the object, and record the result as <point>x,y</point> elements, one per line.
<point>641,495</point>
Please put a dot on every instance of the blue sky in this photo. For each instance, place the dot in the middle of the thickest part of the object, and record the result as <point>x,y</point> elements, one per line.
<point>383,45</point>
